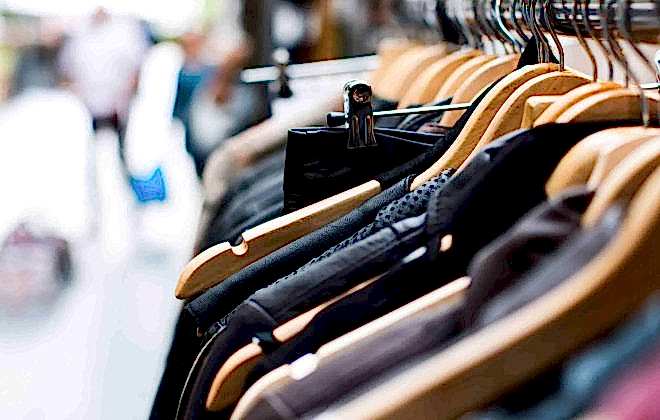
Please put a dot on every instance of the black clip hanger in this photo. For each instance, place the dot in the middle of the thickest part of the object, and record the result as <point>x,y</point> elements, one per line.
<point>358,114</point>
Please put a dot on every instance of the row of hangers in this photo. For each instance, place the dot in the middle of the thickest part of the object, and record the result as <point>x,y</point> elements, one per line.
<point>413,73</point>
<point>620,163</point>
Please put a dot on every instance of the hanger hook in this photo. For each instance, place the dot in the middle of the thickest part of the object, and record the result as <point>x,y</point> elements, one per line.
<point>452,11</point>
<point>516,24</point>
<point>623,24</point>
<point>594,35</point>
<point>624,19</point>
<point>544,45</point>
<point>613,45</point>
<point>550,21</point>
<point>529,21</point>
<point>497,9</point>
<point>573,18</point>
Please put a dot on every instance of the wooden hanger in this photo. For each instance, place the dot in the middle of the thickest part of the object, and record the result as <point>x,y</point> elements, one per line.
<point>408,67</point>
<point>425,87</point>
<point>622,104</point>
<point>475,83</point>
<point>612,155</point>
<point>624,180</point>
<point>577,166</point>
<point>450,294</point>
<point>217,263</point>
<point>534,107</point>
<point>485,365</point>
<point>478,122</point>
<point>571,98</point>
<point>456,80</point>
<point>228,384</point>
<point>509,116</point>
<point>389,50</point>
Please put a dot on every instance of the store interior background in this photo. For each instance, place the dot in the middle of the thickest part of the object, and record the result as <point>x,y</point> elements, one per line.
<point>95,347</point>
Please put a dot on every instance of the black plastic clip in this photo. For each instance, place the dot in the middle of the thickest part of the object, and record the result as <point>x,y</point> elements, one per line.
<point>358,114</point>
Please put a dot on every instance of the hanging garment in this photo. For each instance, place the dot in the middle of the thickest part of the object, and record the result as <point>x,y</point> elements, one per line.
<point>370,360</point>
<point>453,209</point>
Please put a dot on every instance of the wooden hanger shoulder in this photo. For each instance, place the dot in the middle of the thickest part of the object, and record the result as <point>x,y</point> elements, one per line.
<point>447,295</point>
<point>509,116</point>
<point>621,104</point>
<point>576,167</point>
<point>534,107</point>
<point>270,382</point>
<point>458,77</point>
<point>469,374</point>
<point>624,180</point>
<point>630,138</point>
<point>477,124</point>
<point>475,83</point>
<point>217,263</point>
<point>571,98</point>
<point>400,62</point>
<point>424,88</point>
<point>407,68</point>
<point>229,382</point>
<point>388,51</point>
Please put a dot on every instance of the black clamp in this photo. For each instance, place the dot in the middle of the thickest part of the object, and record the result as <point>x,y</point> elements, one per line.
<point>281,60</point>
<point>358,115</point>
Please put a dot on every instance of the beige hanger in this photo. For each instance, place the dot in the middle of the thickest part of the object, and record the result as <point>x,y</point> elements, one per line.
<point>577,166</point>
<point>478,122</point>
<point>228,384</point>
<point>571,98</point>
<point>476,82</point>
<point>509,116</point>
<point>610,157</point>
<point>456,80</point>
<point>623,104</point>
<point>389,50</point>
<point>534,107</point>
<point>425,87</point>
<point>451,294</point>
<point>220,261</point>
<point>624,180</point>
<point>485,365</point>
<point>407,56</point>
<point>408,67</point>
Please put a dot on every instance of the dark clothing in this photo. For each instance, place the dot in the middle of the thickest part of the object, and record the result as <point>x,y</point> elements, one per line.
<point>220,299</point>
<point>511,255</point>
<point>453,209</point>
<point>319,165</point>
<point>224,227</point>
<point>375,358</point>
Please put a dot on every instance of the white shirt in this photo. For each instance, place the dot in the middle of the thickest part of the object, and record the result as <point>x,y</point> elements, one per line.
<point>101,60</point>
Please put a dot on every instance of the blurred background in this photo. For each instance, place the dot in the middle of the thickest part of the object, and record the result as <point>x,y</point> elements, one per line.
<point>108,112</point>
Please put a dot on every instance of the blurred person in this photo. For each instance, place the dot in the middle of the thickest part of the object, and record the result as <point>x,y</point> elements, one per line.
<point>209,101</point>
<point>100,63</point>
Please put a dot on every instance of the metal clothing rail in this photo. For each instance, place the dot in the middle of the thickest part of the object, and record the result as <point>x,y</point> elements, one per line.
<point>644,17</point>
<point>313,69</point>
